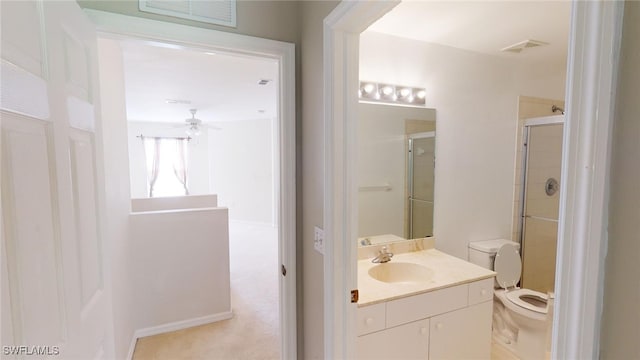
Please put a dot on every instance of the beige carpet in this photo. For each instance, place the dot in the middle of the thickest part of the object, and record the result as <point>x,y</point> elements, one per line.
<point>253,332</point>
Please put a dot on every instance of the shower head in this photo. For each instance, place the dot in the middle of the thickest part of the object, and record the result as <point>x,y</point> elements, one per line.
<point>555,108</point>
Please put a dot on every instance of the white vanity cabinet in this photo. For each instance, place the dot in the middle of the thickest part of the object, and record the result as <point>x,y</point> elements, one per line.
<point>462,334</point>
<point>449,323</point>
<point>408,341</point>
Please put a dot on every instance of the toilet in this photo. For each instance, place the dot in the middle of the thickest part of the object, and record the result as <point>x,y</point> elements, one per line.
<point>522,317</point>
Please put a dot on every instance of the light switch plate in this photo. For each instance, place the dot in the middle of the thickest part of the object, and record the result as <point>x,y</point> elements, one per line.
<point>318,239</point>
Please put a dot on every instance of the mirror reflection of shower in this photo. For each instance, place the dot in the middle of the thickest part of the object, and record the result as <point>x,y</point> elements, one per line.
<point>392,205</point>
<point>539,202</point>
<point>420,177</point>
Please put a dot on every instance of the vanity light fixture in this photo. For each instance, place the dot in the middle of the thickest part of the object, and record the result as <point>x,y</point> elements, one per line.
<point>392,94</point>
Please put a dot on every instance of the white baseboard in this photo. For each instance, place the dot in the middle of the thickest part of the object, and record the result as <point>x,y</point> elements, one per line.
<point>174,326</point>
<point>132,347</point>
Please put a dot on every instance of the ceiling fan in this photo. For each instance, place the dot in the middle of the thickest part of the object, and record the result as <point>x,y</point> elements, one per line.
<point>194,125</point>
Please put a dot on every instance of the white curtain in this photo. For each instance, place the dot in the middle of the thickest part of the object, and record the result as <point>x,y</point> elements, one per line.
<point>180,163</point>
<point>152,152</point>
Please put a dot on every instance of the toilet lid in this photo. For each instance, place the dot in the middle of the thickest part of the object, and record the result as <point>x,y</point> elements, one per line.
<point>508,266</point>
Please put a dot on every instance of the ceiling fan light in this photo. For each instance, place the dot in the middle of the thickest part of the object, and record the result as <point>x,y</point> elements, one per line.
<point>193,131</point>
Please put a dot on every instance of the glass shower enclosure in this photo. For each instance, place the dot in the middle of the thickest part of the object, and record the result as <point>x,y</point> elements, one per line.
<point>540,201</point>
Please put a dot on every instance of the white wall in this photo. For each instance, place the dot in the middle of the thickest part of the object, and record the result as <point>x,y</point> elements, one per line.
<point>267,19</point>
<point>174,203</point>
<point>241,169</point>
<point>476,98</point>
<point>181,270</point>
<point>621,318</point>
<point>118,197</point>
<point>382,160</point>
<point>197,159</point>
<point>311,174</point>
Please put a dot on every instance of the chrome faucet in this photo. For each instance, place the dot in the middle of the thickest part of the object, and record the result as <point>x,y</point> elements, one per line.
<point>383,256</point>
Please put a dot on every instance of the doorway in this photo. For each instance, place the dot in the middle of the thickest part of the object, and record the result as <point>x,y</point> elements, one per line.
<point>588,78</point>
<point>280,130</point>
<point>201,124</point>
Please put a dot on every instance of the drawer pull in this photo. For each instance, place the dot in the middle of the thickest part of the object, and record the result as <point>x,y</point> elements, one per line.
<point>369,321</point>
<point>439,326</point>
<point>483,292</point>
<point>423,331</point>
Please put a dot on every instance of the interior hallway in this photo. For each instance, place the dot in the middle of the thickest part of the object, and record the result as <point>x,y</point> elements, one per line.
<point>253,332</point>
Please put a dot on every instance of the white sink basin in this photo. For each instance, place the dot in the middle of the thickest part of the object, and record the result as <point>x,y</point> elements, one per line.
<point>401,272</point>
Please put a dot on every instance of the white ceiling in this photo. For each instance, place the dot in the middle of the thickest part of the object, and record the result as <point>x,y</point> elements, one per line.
<point>225,87</point>
<point>222,87</point>
<point>484,26</point>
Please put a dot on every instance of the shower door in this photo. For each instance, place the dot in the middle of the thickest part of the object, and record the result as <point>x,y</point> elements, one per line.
<point>420,176</point>
<point>540,202</point>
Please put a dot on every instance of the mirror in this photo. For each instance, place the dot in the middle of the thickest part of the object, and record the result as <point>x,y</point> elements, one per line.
<point>396,173</point>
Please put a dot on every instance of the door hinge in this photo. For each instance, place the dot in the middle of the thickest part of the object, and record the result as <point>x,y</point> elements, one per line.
<point>354,296</point>
<point>284,270</point>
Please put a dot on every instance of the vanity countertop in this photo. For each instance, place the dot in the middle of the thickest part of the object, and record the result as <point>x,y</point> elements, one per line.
<point>447,271</point>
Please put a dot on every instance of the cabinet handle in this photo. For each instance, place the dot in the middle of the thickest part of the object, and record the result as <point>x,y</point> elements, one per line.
<point>369,321</point>
<point>423,330</point>
<point>439,326</point>
<point>483,292</point>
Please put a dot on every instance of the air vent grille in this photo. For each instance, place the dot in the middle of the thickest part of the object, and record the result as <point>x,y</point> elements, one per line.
<point>219,12</point>
<point>526,44</point>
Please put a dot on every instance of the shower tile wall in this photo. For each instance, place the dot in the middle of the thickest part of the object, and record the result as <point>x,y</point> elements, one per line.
<point>539,266</point>
<point>541,225</point>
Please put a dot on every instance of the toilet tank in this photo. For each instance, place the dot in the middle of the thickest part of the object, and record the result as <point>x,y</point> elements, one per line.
<point>482,253</point>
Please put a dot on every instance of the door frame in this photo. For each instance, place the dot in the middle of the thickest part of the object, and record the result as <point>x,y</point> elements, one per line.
<point>117,26</point>
<point>595,34</point>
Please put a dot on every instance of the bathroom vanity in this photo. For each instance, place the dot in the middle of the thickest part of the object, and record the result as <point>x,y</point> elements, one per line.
<point>423,304</point>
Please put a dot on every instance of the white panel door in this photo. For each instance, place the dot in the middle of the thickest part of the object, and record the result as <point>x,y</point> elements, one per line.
<point>54,300</point>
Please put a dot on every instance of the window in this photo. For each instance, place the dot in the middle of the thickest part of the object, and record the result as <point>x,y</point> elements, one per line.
<point>166,166</point>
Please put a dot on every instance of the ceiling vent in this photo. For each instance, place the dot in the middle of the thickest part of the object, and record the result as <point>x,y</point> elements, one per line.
<point>264,81</point>
<point>526,44</point>
<point>178,101</point>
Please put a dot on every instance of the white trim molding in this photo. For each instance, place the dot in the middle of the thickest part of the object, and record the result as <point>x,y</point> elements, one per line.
<point>116,26</point>
<point>595,35</point>
<point>175,326</point>
<point>342,30</point>
<point>582,234</point>
<point>182,324</point>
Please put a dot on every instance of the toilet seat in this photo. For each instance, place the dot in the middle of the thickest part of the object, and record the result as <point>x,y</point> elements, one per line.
<point>516,297</point>
<point>520,311</point>
<point>508,266</point>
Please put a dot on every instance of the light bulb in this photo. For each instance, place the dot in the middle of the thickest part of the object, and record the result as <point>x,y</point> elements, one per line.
<point>387,90</point>
<point>420,94</point>
<point>405,92</point>
<point>368,89</point>
<point>193,131</point>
